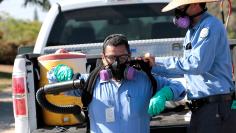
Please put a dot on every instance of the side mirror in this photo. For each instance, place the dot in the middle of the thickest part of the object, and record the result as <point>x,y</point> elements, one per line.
<point>25,49</point>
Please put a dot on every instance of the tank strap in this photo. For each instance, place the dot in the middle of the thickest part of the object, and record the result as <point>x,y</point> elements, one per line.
<point>144,66</point>
<point>87,93</point>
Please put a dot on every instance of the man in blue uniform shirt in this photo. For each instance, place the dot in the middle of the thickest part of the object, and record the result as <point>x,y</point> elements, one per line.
<point>206,65</point>
<point>121,94</point>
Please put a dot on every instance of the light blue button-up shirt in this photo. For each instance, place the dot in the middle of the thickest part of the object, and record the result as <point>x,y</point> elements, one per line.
<point>129,99</point>
<point>207,65</point>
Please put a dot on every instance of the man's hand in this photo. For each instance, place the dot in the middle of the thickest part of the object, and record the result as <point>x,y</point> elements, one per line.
<point>157,102</point>
<point>149,59</point>
<point>156,105</point>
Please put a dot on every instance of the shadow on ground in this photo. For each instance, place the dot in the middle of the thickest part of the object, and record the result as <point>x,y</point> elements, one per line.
<point>5,75</point>
<point>4,95</point>
<point>6,113</point>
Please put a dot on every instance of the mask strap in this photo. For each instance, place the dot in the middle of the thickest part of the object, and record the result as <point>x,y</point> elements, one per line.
<point>186,8</point>
<point>114,64</point>
<point>204,10</point>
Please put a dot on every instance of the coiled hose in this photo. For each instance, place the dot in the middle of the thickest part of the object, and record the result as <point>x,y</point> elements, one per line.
<point>55,89</point>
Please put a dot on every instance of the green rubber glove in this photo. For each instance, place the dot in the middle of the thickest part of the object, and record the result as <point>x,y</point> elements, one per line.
<point>233,104</point>
<point>157,102</point>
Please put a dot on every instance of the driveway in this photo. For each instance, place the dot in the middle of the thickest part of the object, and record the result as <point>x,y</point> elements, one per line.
<point>6,112</point>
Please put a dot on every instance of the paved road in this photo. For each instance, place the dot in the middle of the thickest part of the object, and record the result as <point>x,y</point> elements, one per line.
<point>6,112</point>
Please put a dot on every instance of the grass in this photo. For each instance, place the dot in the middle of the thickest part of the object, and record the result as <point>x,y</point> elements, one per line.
<point>5,80</point>
<point>4,86</point>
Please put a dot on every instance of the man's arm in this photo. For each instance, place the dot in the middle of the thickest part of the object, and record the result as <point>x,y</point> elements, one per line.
<point>170,90</point>
<point>197,60</point>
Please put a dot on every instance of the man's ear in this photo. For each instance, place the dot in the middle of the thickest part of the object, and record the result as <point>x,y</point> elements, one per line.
<point>102,55</point>
<point>129,57</point>
<point>103,59</point>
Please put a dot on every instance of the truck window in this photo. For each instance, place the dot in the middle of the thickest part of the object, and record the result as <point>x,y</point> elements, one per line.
<point>92,25</point>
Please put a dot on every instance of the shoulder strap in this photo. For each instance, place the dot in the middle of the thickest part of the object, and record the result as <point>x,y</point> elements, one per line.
<point>89,86</point>
<point>87,93</point>
<point>144,66</point>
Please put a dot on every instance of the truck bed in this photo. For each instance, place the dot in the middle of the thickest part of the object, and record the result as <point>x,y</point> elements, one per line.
<point>167,122</point>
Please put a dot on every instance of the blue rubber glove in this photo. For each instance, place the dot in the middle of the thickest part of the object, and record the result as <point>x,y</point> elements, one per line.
<point>157,102</point>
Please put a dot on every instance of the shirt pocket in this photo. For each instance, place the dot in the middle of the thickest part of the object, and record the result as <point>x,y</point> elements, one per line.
<point>187,49</point>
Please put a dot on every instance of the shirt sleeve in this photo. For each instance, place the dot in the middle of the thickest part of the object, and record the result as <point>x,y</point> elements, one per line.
<point>197,60</point>
<point>177,87</point>
<point>161,68</point>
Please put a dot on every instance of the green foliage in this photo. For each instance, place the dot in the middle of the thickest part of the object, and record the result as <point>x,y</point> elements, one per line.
<point>9,53</point>
<point>19,31</point>
<point>214,8</point>
<point>15,33</point>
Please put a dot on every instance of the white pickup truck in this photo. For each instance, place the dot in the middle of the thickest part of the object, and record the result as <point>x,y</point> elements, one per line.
<point>81,26</point>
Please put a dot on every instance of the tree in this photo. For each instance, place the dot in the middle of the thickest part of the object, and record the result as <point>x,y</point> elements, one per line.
<point>45,4</point>
<point>36,17</point>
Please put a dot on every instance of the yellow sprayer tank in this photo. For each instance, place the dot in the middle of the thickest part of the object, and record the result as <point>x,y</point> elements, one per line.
<point>76,61</point>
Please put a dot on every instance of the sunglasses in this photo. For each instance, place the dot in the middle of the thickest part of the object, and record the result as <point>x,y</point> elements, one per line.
<point>121,58</point>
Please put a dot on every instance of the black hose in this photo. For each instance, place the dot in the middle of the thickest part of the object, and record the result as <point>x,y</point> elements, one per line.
<point>65,109</point>
<point>144,66</point>
<point>59,87</point>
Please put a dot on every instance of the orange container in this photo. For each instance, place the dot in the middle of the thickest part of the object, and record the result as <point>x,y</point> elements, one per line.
<point>76,61</point>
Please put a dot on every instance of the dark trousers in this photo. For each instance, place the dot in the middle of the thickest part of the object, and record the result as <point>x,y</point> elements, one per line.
<point>215,117</point>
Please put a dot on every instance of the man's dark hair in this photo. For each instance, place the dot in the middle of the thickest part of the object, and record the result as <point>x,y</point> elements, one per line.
<point>116,40</point>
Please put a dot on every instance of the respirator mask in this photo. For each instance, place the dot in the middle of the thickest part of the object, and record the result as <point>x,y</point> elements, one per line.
<point>118,70</point>
<point>182,19</point>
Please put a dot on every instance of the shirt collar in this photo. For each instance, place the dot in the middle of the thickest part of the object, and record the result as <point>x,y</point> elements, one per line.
<point>103,81</point>
<point>202,17</point>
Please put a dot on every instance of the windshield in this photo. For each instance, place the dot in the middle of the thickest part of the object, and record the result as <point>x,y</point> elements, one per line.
<point>92,25</point>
